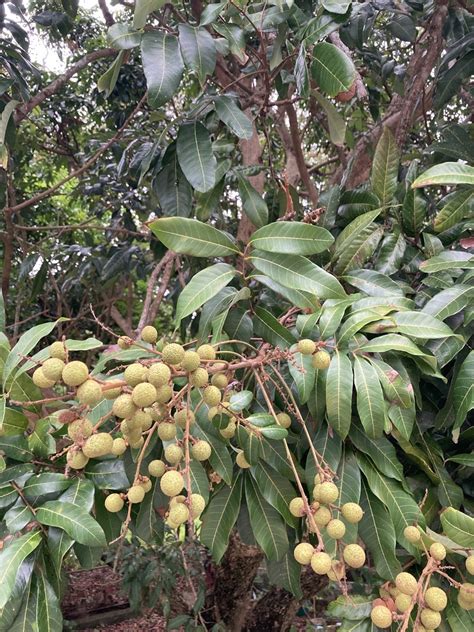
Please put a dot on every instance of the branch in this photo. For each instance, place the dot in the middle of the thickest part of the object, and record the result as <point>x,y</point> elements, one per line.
<point>121,321</point>
<point>298,152</point>
<point>108,17</point>
<point>74,174</point>
<point>152,281</point>
<point>23,110</point>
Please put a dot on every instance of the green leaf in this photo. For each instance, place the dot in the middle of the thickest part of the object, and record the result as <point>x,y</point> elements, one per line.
<point>295,297</point>
<point>276,489</point>
<point>295,238</point>
<point>45,486</point>
<point>336,122</point>
<point>191,237</point>
<point>391,253</point>
<point>220,516</point>
<point>337,6</point>
<point>107,81</point>
<point>198,50</point>
<point>220,459</point>
<point>75,521</point>
<point>449,302</point>
<point>298,273</point>
<point>162,65</point>
<point>203,286</point>
<point>174,192</point>
<point>348,483</point>
<point>199,480</point>
<point>381,452</point>
<point>123,36</point>
<point>271,330</point>
<point>331,316</point>
<point>463,391</point>
<point>332,69</point>
<point>458,526</point>
<point>239,401</point>
<point>253,203</point>
<point>250,444</point>
<point>379,534</point>
<point>339,394</point>
<point>235,37</point>
<point>355,323</point>
<point>231,115</point>
<point>413,212</point>
<point>446,173</point>
<point>360,250</point>
<point>370,403</point>
<point>421,325</point>
<point>25,344</point>
<point>143,8</point>
<point>385,168</point>
<point>463,459</point>
<point>109,474</point>
<point>403,419</point>
<point>286,574</point>
<point>274,432</point>
<point>303,374</point>
<point>16,447</point>
<point>17,517</point>
<point>448,260</point>
<point>11,558</point>
<point>394,342</point>
<point>354,230</point>
<point>373,283</point>
<point>195,156</point>
<point>457,206</point>
<point>459,619</point>
<point>211,12</point>
<point>267,525</point>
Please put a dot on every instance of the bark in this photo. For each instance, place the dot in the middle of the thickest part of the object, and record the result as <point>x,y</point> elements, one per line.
<point>234,578</point>
<point>251,155</point>
<point>276,610</point>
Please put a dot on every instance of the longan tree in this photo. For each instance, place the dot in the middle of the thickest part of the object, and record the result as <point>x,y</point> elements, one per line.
<point>308,403</point>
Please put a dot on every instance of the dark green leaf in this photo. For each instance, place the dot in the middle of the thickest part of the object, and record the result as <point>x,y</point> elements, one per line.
<point>162,65</point>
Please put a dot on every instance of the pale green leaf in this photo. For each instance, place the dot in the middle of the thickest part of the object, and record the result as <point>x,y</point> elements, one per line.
<point>191,237</point>
<point>202,287</point>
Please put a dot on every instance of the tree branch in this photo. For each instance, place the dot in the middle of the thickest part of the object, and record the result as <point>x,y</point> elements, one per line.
<point>152,281</point>
<point>108,17</point>
<point>298,152</point>
<point>23,110</point>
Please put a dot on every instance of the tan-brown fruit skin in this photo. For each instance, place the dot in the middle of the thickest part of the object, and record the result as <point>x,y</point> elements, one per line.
<point>352,512</point>
<point>470,564</point>
<point>149,334</point>
<point>242,461</point>
<point>206,352</point>
<point>114,503</point>
<point>412,534</point>
<point>467,593</point>
<point>190,361</point>
<point>296,507</point>
<point>284,420</point>
<point>79,430</point>
<point>199,378</point>
<point>136,494</point>
<point>173,454</point>
<point>77,459</point>
<point>306,346</point>
<point>53,369</point>
<point>123,407</point>
<point>75,373</point>
<point>201,450</point>
<point>303,553</point>
<point>57,350</point>
<point>89,393</point>
<point>171,483</point>
<point>118,447</point>
<point>406,583</point>
<point>381,617</point>
<point>40,380</point>
<point>179,514</point>
<point>173,353</point>
<point>322,516</point>
<point>144,395</point>
<point>437,551</point>
<point>197,505</point>
<point>167,431</point>
<point>430,619</point>
<point>328,493</point>
<point>436,599</point>
<point>219,380</point>
<point>403,602</point>
<point>354,556</point>
<point>135,374</point>
<point>321,563</point>
<point>98,445</point>
<point>159,374</point>
<point>336,529</point>
<point>156,468</point>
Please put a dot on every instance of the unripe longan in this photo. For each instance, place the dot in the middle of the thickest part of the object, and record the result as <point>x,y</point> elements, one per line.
<point>171,483</point>
<point>322,516</point>
<point>164,394</point>
<point>144,395</point>
<point>381,617</point>
<point>466,591</point>
<point>196,504</point>
<point>98,445</point>
<point>111,393</point>
<point>53,369</point>
<point>158,411</point>
<point>303,553</point>
<point>306,346</point>
<point>328,493</point>
<point>206,352</point>
<point>76,459</point>
<point>437,551</point>
<point>123,407</point>
<point>464,603</point>
<point>430,619</point>
<point>436,599</point>
<point>336,529</point>
<point>166,431</point>
<point>406,583</point>
<point>135,374</point>
<point>156,468</point>
<point>242,461</point>
<point>470,564</point>
<point>149,334</point>
<point>89,393</point>
<point>57,350</point>
<point>118,447</point>
<point>296,507</point>
<point>136,494</point>
<point>412,534</point>
<point>114,503</point>
<point>75,373</point>
<point>284,420</point>
<point>173,454</point>
<point>229,431</point>
<point>173,353</point>
<point>136,443</point>
<point>79,430</point>
<point>142,419</point>
<point>159,374</point>
<point>321,563</point>
<point>180,498</point>
<point>179,513</point>
<point>182,415</point>
<point>321,360</point>
<point>147,485</point>
<point>211,395</point>
<point>403,602</point>
<point>352,512</point>
<point>40,380</point>
<point>316,491</point>
<point>219,380</point>
<point>190,361</point>
<point>124,342</point>
<point>354,555</point>
<point>201,450</point>
<point>199,378</point>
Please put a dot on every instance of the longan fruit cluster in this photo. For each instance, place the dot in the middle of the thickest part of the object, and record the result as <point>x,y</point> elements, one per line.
<point>325,494</point>
<point>320,358</point>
